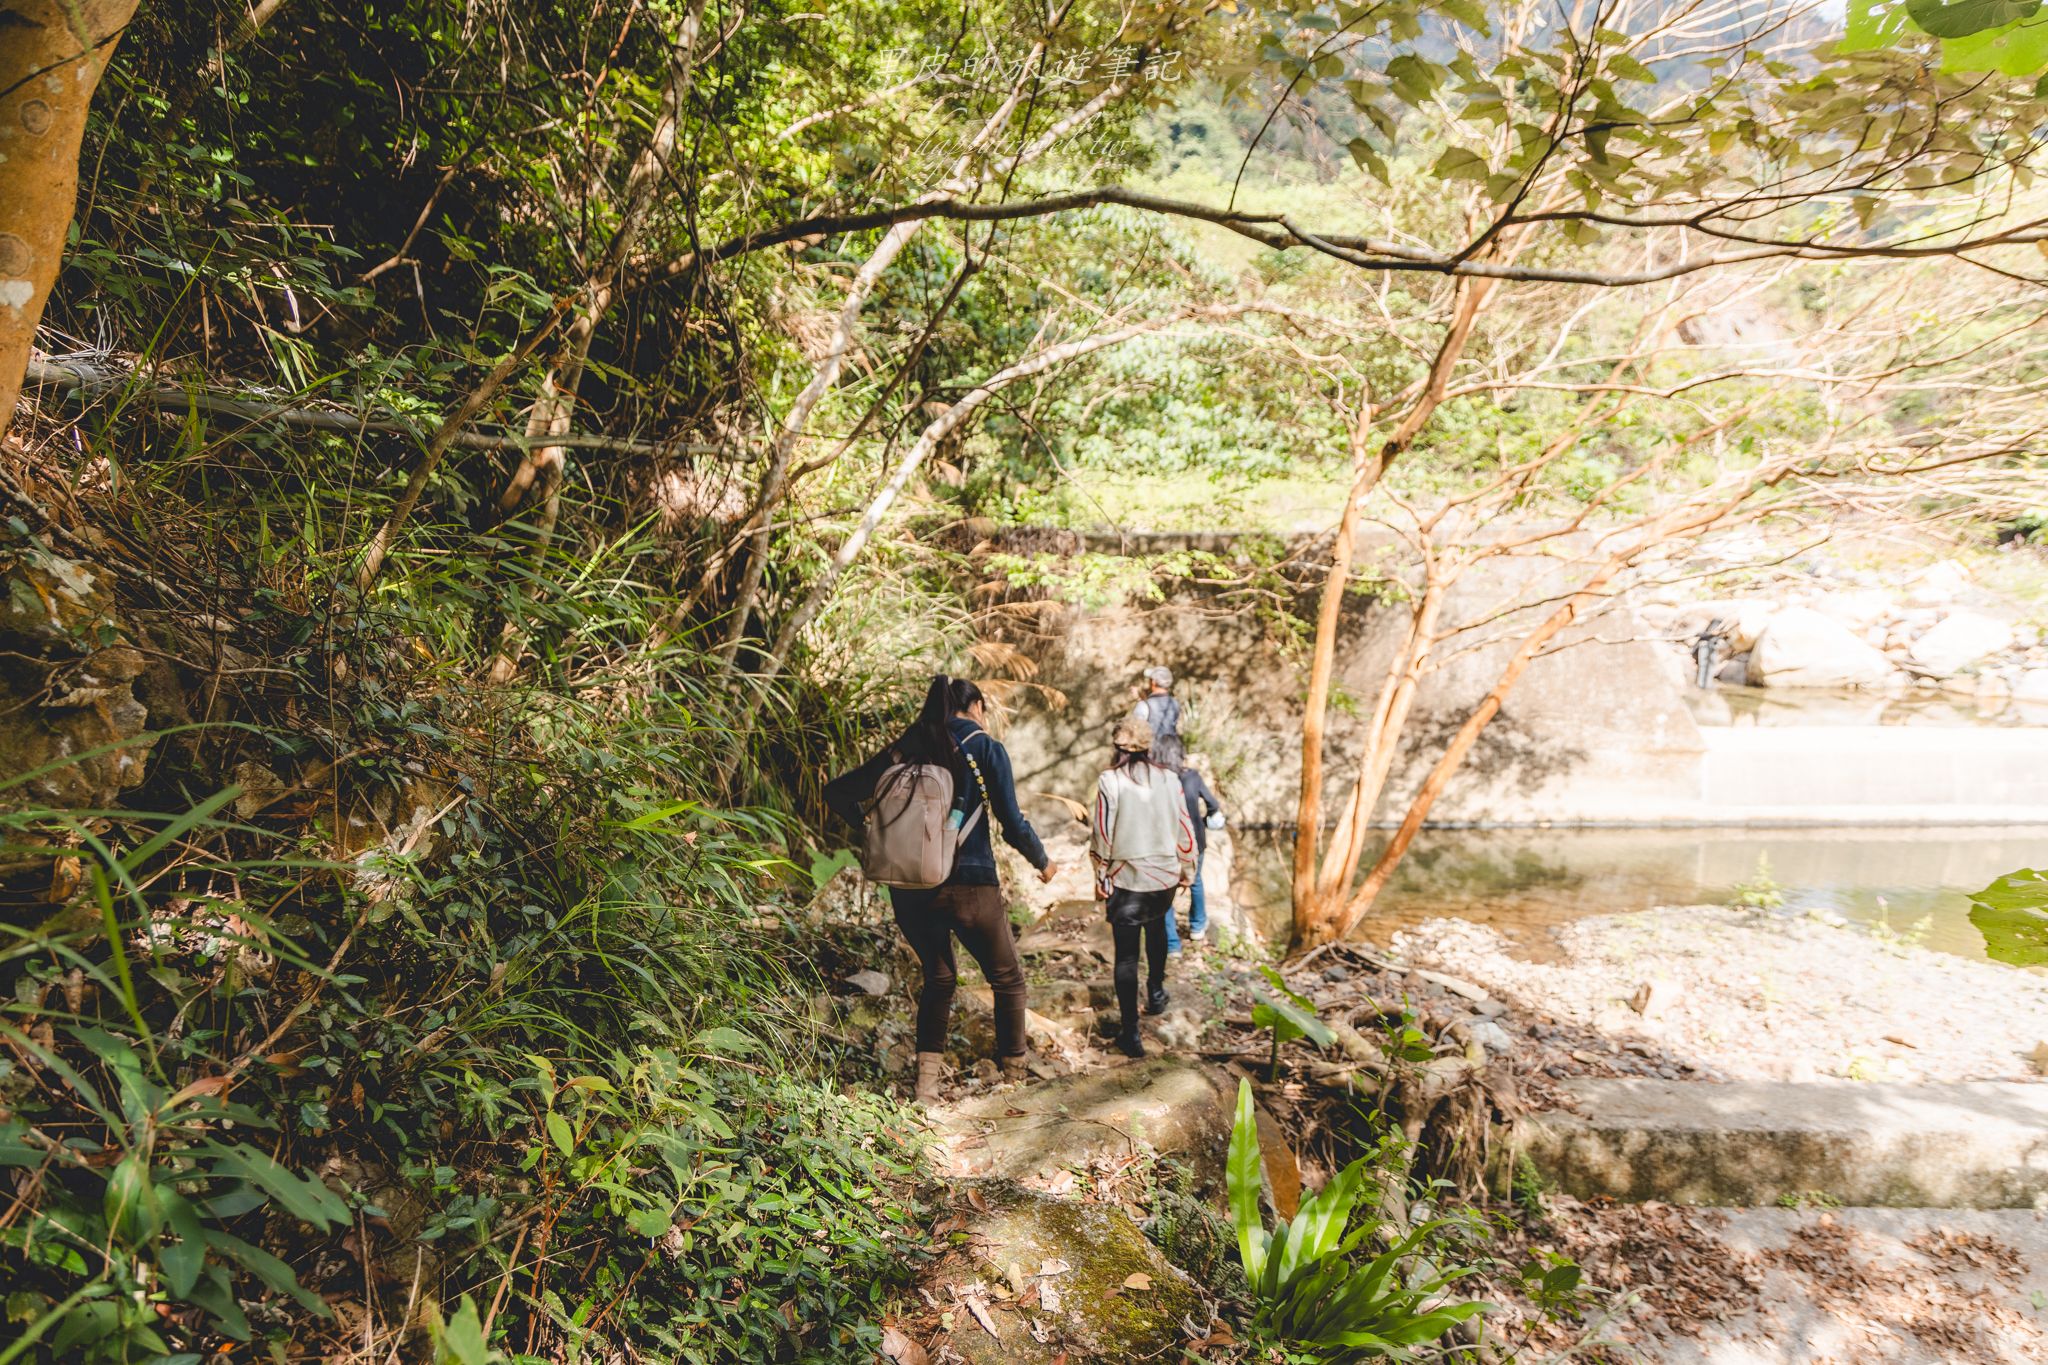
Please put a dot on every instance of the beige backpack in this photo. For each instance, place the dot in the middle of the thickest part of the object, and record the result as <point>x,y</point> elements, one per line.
<point>904,839</point>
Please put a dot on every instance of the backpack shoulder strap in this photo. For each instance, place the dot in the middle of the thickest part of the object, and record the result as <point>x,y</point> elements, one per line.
<point>981,809</point>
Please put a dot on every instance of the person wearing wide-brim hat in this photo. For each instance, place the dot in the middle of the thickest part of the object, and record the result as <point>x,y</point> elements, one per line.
<point>1143,849</point>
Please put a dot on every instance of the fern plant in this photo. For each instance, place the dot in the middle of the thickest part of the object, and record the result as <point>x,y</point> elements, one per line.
<point>1313,1292</point>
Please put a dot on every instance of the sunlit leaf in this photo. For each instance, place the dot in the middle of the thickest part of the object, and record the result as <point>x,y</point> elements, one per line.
<point>2012,914</point>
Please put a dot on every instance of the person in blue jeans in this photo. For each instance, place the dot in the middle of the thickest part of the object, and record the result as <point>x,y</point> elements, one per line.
<point>1206,812</point>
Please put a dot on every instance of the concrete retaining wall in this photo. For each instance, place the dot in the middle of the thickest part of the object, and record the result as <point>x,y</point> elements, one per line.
<point>1596,733</point>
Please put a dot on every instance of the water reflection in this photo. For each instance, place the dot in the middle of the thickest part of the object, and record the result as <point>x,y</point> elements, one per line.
<point>1922,706</point>
<point>1527,882</point>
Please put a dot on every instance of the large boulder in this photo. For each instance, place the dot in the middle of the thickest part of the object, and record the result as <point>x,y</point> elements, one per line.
<point>1856,608</point>
<point>1801,647</point>
<point>1043,1280</point>
<point>1743,618</point>
<point>1960,639</point>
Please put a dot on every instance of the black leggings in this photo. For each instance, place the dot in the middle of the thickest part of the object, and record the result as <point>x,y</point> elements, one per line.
<point>1149,910</point>
<point>930,920</point>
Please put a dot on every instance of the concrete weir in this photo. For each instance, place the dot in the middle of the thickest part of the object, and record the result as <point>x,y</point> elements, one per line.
<point>1979,1144</point>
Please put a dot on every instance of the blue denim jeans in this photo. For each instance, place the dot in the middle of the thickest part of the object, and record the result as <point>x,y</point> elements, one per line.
<point>1198,912</point>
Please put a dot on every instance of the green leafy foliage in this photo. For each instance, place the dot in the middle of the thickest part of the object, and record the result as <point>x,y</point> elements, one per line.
<point>1289,1016</point>
<point>1317,1290</point>
<point>2012,914</point>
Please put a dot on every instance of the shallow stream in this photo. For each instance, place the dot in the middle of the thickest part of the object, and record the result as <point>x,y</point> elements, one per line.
<point>1528,882</point>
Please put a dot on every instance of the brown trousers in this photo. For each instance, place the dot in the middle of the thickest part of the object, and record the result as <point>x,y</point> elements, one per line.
<point>930,921</point>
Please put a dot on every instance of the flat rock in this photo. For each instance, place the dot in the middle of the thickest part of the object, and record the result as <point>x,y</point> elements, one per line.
<point>1981,1144</point>
<point>869,982</point>
<point>1093,1250</point>
<point>1168,1104</point>
<point>1959,640</point>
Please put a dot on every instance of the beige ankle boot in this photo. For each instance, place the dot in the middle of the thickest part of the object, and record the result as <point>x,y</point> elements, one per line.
<point>930,1066</point>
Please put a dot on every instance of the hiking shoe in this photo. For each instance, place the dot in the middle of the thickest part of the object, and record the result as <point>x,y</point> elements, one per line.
<point>931,1068</point>
<point>1157,1001</point>
<point>1198,935</point>
<point>1130,1044</point>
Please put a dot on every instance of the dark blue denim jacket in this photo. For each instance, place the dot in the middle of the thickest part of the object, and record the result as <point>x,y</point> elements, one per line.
<point>975,864</point>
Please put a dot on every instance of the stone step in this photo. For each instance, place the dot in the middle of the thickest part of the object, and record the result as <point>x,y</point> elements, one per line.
<point>1977,1144</point>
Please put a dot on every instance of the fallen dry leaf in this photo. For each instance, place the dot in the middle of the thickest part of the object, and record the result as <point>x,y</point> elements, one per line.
<point>974,1198</point>
<point>981,1316</point>
<point>1138,1280</point>
<point>901,1348</point>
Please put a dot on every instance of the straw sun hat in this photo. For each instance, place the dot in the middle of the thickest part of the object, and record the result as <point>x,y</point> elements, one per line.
<point>1132,734</point>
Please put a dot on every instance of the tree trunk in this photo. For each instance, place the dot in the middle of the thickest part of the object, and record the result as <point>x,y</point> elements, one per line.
<point>1455,752</point>
<point>1467,300</point>
<point>1308,810</point>
<point>1383,745</point>
<point>51,58</point>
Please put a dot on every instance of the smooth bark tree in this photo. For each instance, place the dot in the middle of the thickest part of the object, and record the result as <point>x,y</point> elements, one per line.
<point>52,54</point>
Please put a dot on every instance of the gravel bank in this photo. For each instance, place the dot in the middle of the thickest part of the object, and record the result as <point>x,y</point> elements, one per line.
<point>1745,994</point>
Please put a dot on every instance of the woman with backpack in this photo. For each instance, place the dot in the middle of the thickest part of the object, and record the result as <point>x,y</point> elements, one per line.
<point>1143,849</point>
<point>967,902</point>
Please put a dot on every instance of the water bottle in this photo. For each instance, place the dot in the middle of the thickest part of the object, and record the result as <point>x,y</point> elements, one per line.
<point>954,817</point>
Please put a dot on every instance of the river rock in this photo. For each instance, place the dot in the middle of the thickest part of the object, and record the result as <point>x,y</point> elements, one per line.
<point>868,981</point>
<point>1743,618</point>
<point>1959,640</point>
<point>1802,648</point>
<point>1653,997</point>
<point>2032,686</point>
<point>1938,585</point>
<point>1112,1297</point>
<point>1857,608</point>
<point>1492,1037</point>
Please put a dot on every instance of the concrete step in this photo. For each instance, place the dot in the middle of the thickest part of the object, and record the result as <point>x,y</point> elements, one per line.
<point>1977,1144</point>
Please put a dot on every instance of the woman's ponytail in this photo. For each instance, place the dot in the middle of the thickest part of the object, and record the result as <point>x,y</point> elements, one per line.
<point>937,697</point>
<point>928,740</point>
<point>961,695</point>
